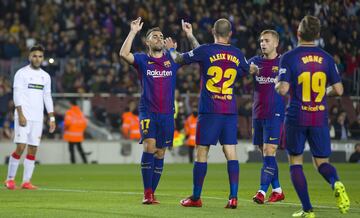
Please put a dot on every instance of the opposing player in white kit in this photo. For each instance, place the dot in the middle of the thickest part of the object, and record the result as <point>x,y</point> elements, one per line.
<point>32,89</point>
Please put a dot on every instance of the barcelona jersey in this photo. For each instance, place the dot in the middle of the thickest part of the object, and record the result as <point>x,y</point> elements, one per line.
<point>221,65</point>
<point>308,70</point>
<point>157,77</point>
<point>267,102</point>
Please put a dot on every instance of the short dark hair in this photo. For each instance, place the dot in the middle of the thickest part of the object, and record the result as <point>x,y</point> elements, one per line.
<point>222,27</point>
<point>309,28</point>
<point>272,32</point>
<point>37,47</point>
<point>152,30</point>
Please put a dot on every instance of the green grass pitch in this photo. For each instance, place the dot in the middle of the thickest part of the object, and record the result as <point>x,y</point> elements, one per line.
<point>116,191</point>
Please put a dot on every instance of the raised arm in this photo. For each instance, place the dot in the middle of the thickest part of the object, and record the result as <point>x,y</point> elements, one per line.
<point>187,28</point>
<point>125,51</point>
<point>171,46</point>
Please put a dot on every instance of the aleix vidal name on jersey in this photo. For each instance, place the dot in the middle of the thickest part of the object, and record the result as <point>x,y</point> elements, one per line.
<point>157,73</point>
<point>264,80</point>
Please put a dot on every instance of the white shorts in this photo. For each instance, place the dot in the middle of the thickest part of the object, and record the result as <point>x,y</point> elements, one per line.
<point>29,134</point>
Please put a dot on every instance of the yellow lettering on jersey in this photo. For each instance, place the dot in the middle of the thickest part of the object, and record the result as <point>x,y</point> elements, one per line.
<point>312,108</point>
<point>217,57</point>
<point>312,58</point>
<point>234,59</point>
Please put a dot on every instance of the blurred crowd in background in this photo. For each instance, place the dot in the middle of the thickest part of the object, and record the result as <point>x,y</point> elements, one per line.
<point>83,38</point>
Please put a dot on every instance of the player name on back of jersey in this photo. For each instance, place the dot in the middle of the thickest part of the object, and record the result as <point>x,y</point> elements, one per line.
<point>312,58</point>
<point>224,56</point>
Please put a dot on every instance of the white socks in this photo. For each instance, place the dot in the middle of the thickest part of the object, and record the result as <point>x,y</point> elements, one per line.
<point>29,165</point>
<point>13,166</point>
<point>278,190</point>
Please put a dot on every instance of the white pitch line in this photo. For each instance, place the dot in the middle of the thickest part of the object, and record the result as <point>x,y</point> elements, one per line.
<point>205,197</point>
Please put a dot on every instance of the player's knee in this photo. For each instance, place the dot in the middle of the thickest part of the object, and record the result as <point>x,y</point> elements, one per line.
<point>20,149</point>
<point>269,150</point>
<point>296,159</point>
<point>160,153</point>
<point>201,153</point>
<point>230,152</point>
<point>319,161</point>
<point>149,145</point>
<point>32,150</point>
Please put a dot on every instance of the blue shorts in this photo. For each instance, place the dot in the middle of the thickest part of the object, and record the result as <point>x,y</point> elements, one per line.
<point>318,138</point>
<point>267,131</point>
<point>157,126</point>
<point>212,128</point>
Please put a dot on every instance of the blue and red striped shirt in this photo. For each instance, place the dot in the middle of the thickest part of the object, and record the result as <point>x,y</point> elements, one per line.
<point>309,70</point>
<point>221,65</point>
<point>158,78</point>
<point>267,102</point>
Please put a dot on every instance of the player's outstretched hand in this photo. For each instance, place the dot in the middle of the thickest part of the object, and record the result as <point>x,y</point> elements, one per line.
<point>187,28</point>
<point>52,126</point>
<point>169,43</point>
<point>136,25</point>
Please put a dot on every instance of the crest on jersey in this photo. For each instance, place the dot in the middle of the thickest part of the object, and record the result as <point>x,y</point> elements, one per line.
<point>275,69</point>
<point>167,64</point>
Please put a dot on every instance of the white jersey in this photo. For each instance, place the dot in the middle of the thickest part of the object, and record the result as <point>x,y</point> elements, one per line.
<point>32,89</point>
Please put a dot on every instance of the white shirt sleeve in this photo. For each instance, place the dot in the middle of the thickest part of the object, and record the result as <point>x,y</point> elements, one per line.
<point>47,96</point>
<point>19,89</point>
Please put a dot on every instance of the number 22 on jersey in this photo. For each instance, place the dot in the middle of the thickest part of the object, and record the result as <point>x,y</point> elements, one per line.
<point>217,74</point>
<point>312,83</point>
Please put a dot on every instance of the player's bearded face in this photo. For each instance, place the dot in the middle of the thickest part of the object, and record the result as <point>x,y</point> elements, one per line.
<point>36,58</point>
<point>156,41</point>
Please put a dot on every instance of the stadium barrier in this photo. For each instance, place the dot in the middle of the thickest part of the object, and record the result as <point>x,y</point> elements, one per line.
<point>120,152</point>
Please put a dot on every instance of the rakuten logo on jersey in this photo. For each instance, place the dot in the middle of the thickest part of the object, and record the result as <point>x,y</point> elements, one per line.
<point>264,80</point>
<point>157,73</point>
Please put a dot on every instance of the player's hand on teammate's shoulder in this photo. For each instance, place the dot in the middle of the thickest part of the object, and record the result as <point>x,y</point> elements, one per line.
<point>169,43</point>
<point>254,69</point>
<point>136,25</point>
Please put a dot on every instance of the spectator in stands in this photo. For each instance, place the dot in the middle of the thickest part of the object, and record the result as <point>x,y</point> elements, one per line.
<point>74,127</point>
<point>245,111</point>
<point>190,132</point>
<point>355,157</point>
<point>5,97</point>
<point>83,31</point>
<point>334,111</point>
<point>341,127</point>
<point>130,127</point>
<point>331,128</point>
<point>355,129</point>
